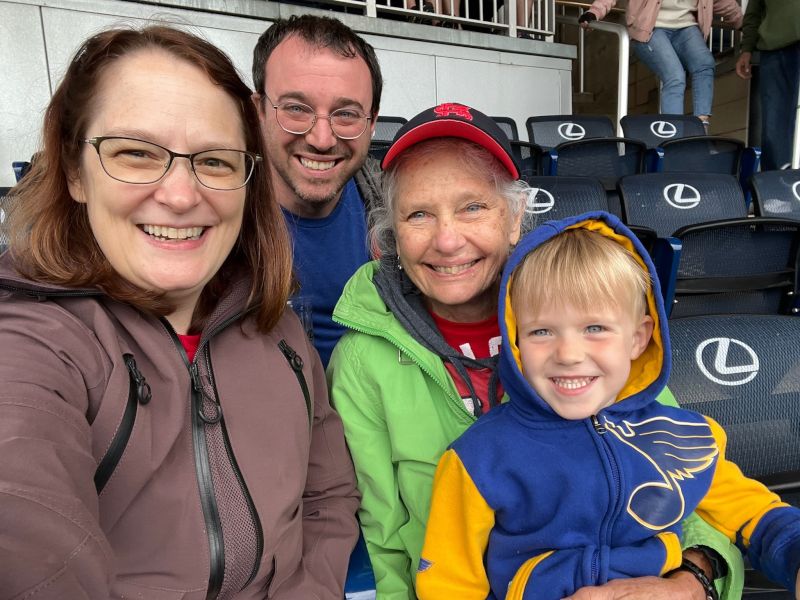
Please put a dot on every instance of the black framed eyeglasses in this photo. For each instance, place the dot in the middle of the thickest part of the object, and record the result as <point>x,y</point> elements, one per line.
<point>136,161</point>
<point>298,118</point>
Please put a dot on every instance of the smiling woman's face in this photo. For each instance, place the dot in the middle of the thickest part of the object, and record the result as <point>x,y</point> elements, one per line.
<point>171,236</point>
<point>453,232</point>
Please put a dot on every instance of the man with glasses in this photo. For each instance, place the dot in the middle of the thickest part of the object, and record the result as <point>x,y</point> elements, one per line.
<point>318,87</point>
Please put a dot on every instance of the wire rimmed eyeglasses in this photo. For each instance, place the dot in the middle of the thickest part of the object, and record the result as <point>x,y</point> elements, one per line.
<point>131,160</point>
<point>298,119</point>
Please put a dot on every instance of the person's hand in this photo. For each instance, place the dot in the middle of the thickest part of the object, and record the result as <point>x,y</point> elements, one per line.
<point>680,584</point>
<point>586,18</point>
<point>743,66</point>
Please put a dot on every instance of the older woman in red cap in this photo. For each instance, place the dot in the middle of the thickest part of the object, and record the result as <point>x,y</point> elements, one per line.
<point>418,364</point>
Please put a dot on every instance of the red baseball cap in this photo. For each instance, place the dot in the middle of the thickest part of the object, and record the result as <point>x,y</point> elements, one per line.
<point>453,120</point>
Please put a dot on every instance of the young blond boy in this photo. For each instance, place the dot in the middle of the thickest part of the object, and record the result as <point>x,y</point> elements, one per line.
<point>583,477</point>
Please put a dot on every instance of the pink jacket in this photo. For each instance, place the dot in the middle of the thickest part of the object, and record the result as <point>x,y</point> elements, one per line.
<point>640,15</point>
<point>126,473</point>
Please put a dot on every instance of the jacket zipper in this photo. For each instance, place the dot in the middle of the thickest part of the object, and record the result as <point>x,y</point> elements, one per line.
<point>208,501</point>
<point>251,507</point>
<point>296,363</point>
<point>601,430</point>
<point>456,401</point>
<point>138,393</point>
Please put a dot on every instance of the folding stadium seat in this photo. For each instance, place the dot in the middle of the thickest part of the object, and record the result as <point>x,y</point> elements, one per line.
<point>665,202</point>
<point>385,130</point>
<point>3,214</point>
<point>509,127</point>
<point>557,197</point>
<point>551,130</point>
<point>744,372</point>
<point>710,257</point>
<point>655,130</point>
<point>777,193</point>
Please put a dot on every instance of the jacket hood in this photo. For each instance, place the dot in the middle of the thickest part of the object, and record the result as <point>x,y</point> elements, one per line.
<point>649,373</point>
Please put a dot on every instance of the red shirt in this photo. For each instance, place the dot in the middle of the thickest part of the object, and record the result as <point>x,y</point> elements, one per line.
<point>190,344</point>
<point>475,340</point>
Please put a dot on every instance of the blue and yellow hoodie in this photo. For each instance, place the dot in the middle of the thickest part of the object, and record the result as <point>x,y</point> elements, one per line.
<point>529,505</point>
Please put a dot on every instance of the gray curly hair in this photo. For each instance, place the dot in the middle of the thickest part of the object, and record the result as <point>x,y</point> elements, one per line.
<point>476,160</point>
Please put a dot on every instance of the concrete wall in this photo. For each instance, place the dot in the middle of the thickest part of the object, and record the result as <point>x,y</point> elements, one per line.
<point>422,65</point>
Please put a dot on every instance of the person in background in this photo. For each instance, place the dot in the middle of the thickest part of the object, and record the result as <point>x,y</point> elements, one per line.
<point>165,428</point>
<point>669,37</point>
<point>773,28</point>
<point>418,365</point>
<point>583,477</point>
<point>317,91</point>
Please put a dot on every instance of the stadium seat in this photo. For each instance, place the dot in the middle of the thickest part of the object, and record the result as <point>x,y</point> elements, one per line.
<point>747,265</point>
<point>559,197</point>
<point>552,130</point>
<point>654,130</point>
<point>607,159</point>
<point>360,581</point>
<point>3,215</point>
<point>777,193</point>
<point>529,158</point>
<point>509,127</point>
<point>385,130</point>
<point>744,372</point>
<point>665,202</point>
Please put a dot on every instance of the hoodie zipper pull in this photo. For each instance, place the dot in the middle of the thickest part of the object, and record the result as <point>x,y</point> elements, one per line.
<point>598,427</point>
<point>143,391</point>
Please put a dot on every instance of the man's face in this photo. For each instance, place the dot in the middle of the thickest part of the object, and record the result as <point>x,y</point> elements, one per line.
<point>310,170</point>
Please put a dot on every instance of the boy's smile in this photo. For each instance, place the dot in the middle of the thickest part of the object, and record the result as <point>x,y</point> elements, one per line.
<point>578,361</point>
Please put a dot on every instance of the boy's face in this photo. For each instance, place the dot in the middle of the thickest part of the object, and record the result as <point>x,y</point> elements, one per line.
<point>579,361</point>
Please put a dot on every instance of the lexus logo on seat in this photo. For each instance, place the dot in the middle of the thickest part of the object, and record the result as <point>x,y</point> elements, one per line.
<point>539,201</point>
<point>796,189</point>
<point>2,216</point>
<point>571,131</point>
<point>663,129</point>
<point>681,195</point>
<point>727,361</point>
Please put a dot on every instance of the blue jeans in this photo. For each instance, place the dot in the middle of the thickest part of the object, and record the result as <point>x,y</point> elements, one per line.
<point>779,77</point>
<point>669,54</point>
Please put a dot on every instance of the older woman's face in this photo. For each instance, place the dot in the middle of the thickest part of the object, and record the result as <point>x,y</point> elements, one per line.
<point>173,235</point>
<point>453,234</point>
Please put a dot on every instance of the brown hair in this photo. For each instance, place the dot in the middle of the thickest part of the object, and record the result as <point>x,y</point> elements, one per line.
<point>319,32</point>
<point>51,237</point>
<point>580,268</point>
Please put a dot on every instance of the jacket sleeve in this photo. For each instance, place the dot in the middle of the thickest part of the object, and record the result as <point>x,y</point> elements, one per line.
<point>696,532</point>
<point>751,23</point>
<point>358,398</point>
<point>52,543</point>
<point>748,513</point>
<point>330,501</point>
<point>730,11</point>
<point>456,536</point>
<point>600,8</point>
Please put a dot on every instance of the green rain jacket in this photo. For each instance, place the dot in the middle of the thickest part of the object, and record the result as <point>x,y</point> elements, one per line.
<point>400,410</point>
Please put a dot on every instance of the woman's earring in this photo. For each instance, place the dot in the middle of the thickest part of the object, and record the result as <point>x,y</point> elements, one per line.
<point>399,264</point>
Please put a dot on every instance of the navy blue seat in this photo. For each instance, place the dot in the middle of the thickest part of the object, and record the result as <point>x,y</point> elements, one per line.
<point>654,130</point>
<point>608,159</point>
<point>743,372</point>
<point>556,197</point>
<point>509,127</point>
<point>665,202</point>
<point>385,130</point>
<point>777,193</point>
<point>551,130</point>
<point>4,200</point>
<point>360,581</point>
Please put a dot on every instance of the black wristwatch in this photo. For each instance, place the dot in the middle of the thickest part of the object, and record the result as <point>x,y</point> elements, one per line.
<point>719,568</point>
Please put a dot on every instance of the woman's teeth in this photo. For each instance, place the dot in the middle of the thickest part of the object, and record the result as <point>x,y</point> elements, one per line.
<point>455,269</point>
<point>163,232</point>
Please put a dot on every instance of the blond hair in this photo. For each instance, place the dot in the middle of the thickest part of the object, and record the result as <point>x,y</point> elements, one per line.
<point>583,269</point>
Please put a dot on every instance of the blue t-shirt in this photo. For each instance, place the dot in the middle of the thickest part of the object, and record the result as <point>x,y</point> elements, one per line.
<point>327,252</point>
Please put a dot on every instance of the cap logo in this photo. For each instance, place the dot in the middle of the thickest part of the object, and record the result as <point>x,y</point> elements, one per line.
<point>451,108</point>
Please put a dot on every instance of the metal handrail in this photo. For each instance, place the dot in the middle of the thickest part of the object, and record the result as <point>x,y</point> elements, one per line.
<point>623,61</point>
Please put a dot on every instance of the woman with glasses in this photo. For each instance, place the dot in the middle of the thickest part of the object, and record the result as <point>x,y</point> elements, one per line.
<point>165,430</point>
